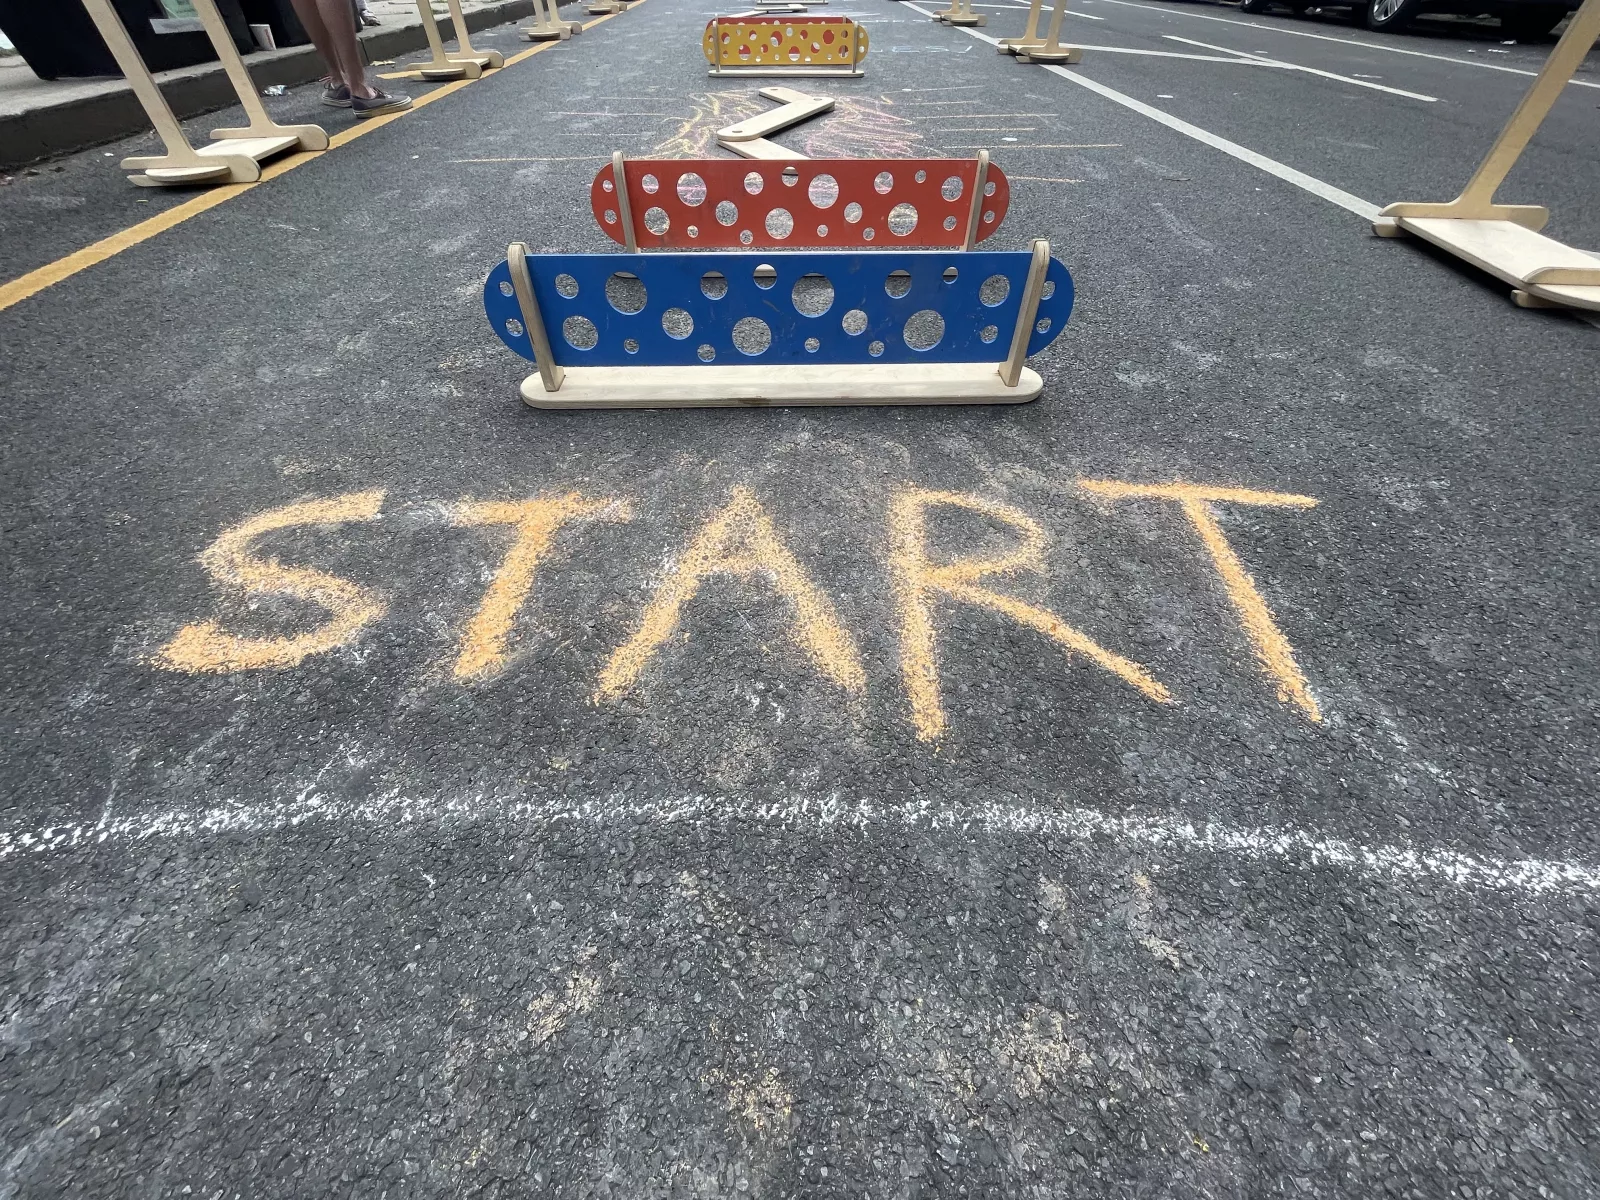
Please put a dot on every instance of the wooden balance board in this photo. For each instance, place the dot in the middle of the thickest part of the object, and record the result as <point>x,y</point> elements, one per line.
<point>708,204</point>
<point>784,45</point>
<point>799,327</point>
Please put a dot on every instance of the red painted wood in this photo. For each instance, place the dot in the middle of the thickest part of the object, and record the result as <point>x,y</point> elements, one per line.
<point>687,194</point>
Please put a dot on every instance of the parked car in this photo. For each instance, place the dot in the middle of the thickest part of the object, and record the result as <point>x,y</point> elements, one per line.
<point>1519,18</point>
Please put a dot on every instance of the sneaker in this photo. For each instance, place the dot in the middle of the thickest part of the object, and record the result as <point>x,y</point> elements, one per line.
<point>379,104</point>
<point>335,95</point>
<point>368,19</point>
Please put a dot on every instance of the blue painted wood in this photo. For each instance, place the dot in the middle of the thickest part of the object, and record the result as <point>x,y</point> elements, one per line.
<point>571,290</point>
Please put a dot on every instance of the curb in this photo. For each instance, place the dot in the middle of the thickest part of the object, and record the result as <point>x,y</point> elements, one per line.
<point>81,123</point>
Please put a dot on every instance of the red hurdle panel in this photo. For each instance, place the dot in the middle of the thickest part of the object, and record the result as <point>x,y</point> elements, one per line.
<point>688,204</point>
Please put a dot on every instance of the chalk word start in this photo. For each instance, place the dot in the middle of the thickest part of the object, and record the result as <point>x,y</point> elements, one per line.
<point>738,540</point>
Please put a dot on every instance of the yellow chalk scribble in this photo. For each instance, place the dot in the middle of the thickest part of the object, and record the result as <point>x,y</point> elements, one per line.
<point>740,541</point>
<point>1272,649</point>
<point>207,647</point>
<point>917,580</point>
<point>484,641</point>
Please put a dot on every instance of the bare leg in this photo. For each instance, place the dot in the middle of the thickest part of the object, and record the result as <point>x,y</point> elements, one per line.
<point>332,26</point>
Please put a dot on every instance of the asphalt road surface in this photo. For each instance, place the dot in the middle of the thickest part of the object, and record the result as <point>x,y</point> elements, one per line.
<point>409,793</point>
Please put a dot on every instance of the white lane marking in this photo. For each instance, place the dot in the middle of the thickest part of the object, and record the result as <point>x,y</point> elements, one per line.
<point>1025,7</point>
<point>1217,58</point>
<point>1296,848</point>
<point>1364,209</point>
<point>1278,62</point>
<point>1323,37</point>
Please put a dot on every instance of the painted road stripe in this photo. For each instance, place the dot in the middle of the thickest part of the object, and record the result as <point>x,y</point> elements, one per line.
<point>1317,187</point>
<point>1323,37</point>
<point>1296,848</point>
<point>1276,62</point>
<point>23,287</point>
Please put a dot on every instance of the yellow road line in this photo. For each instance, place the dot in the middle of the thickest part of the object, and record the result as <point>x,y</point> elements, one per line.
<point>23,287</point>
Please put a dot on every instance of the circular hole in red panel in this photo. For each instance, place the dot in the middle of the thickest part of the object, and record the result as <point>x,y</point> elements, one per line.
<point>949,222</point>
<point>650,184</point>
<point>852,212</point>
<point>823,191</point>
<point>952,188</point>
<point>655,220</point>
<point>780,223</point>
<point>902,219</point>
<point>727,212</point>
<point>691,189</point>
<point>883,183</point>
<point>790,177</point>
<point>753,183</point>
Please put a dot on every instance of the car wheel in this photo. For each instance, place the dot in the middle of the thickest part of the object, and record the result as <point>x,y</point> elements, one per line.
<point>1254,6</point>
<point>1529,21</point>
<point>1390,15</point>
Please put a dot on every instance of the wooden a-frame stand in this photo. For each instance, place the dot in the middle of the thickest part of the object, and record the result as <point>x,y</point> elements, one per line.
<point>547,24</point>
<point>234,155</point>
<point>1504,239</point>
<point>960,13</point>
<point>465,63</point>
<point>1030,47</point>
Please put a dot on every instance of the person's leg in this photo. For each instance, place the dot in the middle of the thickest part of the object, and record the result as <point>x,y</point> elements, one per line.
<point>332,27</point>
<point>317,30</point>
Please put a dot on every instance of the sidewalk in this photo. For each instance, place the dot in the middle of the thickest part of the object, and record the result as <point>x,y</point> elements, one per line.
<point>43,118</point>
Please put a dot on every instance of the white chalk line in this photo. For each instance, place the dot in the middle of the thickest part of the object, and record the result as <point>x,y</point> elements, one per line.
<point>1364,209</point>
<point>1285,846</point>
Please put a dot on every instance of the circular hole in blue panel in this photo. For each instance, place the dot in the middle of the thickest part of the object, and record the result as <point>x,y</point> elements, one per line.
<point>1049,289</point>
<point>1043,325</point>
<point>752,336</point>
<point>812,345</point>
<point>854,322</point>
<point>631,346</point>
<point>506,289</point>
<point>676,323</point>
<point>713,285</point>
<point>514,327</point>
<point>765,275</point>
<point>988,333</point>
<point>706,353</point>
<point>580,333</point>
<point>812,295</point>
<point>994,290</point>
<point>950,274</point>
<point>898,283</point>
<point>566,286</point>
<point>924,329</point>
<point>875,349</point>
<point>625,292</point>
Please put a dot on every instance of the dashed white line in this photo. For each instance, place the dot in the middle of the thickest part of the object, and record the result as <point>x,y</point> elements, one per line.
<point>1278,62</point>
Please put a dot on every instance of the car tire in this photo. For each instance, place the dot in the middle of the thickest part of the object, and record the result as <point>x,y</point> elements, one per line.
<point>1527,22</point>
<point>1388,16</point>
<point>1254,6</point>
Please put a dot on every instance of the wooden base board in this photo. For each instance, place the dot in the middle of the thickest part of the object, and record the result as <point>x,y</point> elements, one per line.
<point>1512,253</point>
<point>796,107</point>
<point>1038,54</point>
<point>257,150</point>
<point>760,148</point>
<point>764,386</point>
<point>791,72</point>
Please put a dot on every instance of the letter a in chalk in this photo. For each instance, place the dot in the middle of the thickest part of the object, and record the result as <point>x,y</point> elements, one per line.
<point>740,541</point>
